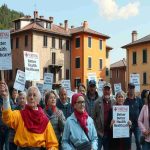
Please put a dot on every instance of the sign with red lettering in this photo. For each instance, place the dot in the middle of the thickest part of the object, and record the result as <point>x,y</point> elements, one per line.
<point>121,118</point>
<point>5,50</point>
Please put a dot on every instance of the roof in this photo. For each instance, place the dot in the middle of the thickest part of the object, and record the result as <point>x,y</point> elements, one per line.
<point>139,41</point>
<point>120,63</point>
<point>37,27</point>
<point>108,47</point>
<point>87,30</point>
<point>55,29</point>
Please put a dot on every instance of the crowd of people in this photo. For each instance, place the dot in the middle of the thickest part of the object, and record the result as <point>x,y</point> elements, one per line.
<point>84,122</point>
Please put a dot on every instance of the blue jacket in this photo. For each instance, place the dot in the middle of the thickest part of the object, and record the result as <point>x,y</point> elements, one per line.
<point>73,133</point>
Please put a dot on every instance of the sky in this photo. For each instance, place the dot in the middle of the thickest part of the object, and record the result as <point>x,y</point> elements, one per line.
<point>115,18</point>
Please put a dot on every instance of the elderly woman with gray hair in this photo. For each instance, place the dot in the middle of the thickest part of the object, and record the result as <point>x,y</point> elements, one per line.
<point>33,129</point>
<point>119,143</point>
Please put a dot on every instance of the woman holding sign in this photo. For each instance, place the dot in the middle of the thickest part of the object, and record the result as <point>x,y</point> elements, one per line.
<point>119,143</point>
<point>33,129</point>
<point>144,124</point>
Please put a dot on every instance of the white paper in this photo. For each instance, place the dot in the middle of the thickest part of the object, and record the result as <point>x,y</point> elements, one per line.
<point>66,84</point>
<point>135,79</point>
<point>121,117</point>
<point>20,81</point>
<point>5,50</point>
<point>32,70</point>
<point>117,87</point>
<point>48,81</point>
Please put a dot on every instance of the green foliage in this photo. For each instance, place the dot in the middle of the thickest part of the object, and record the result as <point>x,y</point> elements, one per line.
<point>7,16</point>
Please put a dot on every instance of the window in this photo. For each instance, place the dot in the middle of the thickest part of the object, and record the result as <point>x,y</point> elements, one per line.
<point>45,41</point>
<point>10,74</point>
<point>107,72</point>
<point>44,71</point>
<point>110,73</point>
<point>60,43</point>
<point>67,74</point>
<point>100,64</point>
<point>77,42</point>
<point>17,25</point>
<point>17,42</point>
<point>11,43</point>
<point>134,58</point>
<point>100,44</point>
<point>53,58</point>
<point>107,54</point>
<point>144,55</point>
<point>48,25</point>
<point>117,73</point>
<point>144,78</point>
<point>26,40</point>
<point>53,42</point>
<point>77,61</point>
<point>89,42</point>
<point>77,82</point>
<point>89,62</point>
<point>60,74</point>
<point>67,45</point>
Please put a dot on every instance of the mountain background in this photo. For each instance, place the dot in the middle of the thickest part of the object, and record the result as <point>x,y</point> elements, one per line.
<point>7,16</point>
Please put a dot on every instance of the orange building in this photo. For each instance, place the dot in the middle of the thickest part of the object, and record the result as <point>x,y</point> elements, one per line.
<point>88,55</point>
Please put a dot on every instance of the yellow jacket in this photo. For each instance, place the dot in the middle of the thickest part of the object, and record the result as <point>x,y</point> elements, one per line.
<point>24,138</point>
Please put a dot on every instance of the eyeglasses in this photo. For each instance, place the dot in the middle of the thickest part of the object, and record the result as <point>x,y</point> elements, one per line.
<point>80,102</point>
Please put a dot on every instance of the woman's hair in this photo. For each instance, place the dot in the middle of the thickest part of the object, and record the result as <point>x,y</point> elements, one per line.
<point>22,94</point>
<point>121,93</point>
<point>47,95</point>
<point>37,90</point>
<point>82,85</point>
<point>143,94</point>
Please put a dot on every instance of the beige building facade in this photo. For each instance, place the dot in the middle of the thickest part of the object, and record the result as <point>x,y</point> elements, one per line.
<point>138,62</point>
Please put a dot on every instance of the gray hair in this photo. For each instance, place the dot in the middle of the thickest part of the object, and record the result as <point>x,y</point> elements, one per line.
<point>37,90</point>
<point>61,89</point>
<point>22,94</point>
<point>121,93</point>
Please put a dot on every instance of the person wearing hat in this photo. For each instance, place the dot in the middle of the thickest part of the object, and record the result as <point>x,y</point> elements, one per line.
<point>135,105</point>
<point>79,131</point>
<point>102,110</point>
<point>91,97</point>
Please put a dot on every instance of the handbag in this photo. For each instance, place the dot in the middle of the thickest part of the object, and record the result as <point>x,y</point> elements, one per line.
<point>84,146</point>
<point>142,140</point>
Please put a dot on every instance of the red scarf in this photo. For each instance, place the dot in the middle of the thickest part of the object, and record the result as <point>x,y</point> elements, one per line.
<point>35,120</point>
<point>53,108</point>
<point>82,119</point>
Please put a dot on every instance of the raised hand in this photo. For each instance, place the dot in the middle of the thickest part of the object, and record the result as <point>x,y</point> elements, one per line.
<point>4,90</point>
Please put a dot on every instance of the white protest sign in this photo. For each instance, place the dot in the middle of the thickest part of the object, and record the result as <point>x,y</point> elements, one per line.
<point>121,117</point>
<point>40,87</point>
<point>20,81</point>
<point>48,81</point>
<point>100,87</point>
<point>5,50</point>
<point>32,70</point>
<point>135,79</point>
<point>117,87</point>
<point>66,84</point>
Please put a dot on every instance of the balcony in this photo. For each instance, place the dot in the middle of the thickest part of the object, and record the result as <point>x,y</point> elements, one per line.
<point>55,65</point>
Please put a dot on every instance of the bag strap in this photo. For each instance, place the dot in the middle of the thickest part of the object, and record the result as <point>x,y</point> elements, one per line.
<point>85,133</point>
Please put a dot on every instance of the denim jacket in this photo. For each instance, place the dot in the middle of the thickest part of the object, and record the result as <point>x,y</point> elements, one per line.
<point>73,133</point>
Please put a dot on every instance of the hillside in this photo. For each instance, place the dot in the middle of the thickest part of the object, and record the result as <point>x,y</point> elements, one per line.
<point>7,15</point>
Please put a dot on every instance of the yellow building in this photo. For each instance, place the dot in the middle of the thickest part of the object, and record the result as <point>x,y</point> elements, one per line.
<point>138,62</point>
